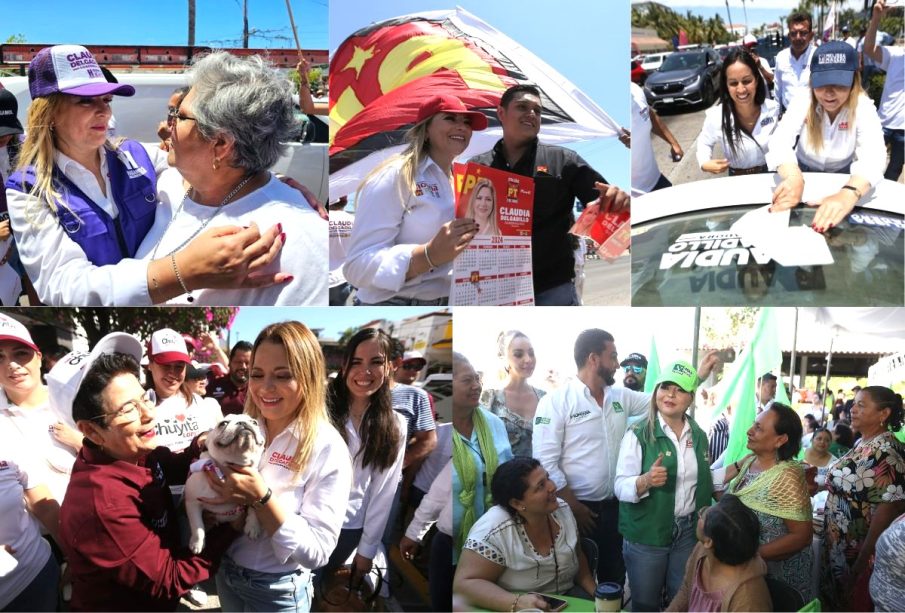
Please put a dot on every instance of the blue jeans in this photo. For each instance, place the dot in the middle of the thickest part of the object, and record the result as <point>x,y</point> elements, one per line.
<point>41,594</point>
<point>244,589</point>
<point>895,139</point>
<point>649,568</point>
<point>560,295</point>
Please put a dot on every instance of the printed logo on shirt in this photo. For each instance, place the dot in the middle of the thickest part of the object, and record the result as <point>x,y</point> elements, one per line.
<point>541,421</point>
<point>645,114</point>
<point>424,186</point>
<point>617,407</point>
<point>542,169</point>
<point>843,125</point>
<point>688,444</point>
<point>181,425</point>
<point>766,121</point>
<point>576,416</point>
<point>133,169</point>
<point>280,459</point>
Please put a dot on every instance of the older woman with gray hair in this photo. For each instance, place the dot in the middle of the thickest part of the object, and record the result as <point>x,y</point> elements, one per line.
<point>226,133</point>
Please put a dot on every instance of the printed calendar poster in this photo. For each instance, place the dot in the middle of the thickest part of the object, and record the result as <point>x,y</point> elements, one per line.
<point>495,269</point>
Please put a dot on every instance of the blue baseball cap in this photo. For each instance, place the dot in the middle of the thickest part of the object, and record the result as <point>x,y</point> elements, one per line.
<point>834,63</point>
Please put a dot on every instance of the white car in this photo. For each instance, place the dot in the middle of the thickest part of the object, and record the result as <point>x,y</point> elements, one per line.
<point>439,386</point>
<point>138,116</point>
<point>652,61</point>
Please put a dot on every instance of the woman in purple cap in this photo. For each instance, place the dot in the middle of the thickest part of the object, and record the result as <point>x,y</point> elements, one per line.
<point>405,236</point>
<point>836,129</point>
<point>80,204</point>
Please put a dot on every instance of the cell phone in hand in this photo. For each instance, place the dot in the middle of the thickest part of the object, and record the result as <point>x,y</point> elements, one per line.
<point>726,356</point>
<point>555,604</point>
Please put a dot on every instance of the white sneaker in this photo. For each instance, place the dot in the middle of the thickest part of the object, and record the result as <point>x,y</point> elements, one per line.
<point>197,596</point>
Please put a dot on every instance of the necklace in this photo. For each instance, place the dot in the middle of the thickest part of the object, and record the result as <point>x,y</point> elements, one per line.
<point>203,225</point>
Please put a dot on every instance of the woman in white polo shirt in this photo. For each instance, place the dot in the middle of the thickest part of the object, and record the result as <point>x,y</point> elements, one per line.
<point>743,121</point>
<point>361,409</point>
<point>405,236</point>
<point>835,129</point>
<point>25,407</point>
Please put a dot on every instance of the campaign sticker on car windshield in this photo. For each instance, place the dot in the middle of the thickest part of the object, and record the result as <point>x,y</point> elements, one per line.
<point>709,249</point>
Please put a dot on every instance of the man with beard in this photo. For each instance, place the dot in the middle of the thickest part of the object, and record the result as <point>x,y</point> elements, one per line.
<point>230,389</point>
<point>578,429</point>
<point>635,368</point>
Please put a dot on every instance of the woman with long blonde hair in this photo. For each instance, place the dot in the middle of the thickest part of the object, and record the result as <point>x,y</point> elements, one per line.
<point>834,129</point>
<point>482,207</point>
<point>405,236</point>
<point>300,489</point>
<point>80,205</point>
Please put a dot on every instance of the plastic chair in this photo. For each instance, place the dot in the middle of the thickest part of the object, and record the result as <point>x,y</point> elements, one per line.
<point>589,548</point>
<point>784,596</point>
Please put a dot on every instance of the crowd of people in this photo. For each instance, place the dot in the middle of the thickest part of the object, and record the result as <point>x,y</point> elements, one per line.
<point>109,221</point>
<point>94,465</point>
<point>810,113</point>
<point>598,488</point>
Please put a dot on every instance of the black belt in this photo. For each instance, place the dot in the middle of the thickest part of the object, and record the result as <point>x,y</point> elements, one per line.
<point>747,171</point>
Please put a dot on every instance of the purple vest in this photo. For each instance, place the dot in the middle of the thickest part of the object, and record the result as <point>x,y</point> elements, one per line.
<point>103,239</point>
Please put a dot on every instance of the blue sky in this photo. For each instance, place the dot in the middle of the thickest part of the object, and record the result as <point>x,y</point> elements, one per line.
<point>251,320</point>
<point>577,42</point>
<point>163,22</point>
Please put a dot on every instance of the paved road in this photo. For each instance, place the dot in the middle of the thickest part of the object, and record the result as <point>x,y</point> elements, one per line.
<point>685,125</point>
<point>607,284</point>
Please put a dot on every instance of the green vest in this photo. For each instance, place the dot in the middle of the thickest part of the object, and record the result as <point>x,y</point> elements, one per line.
<point>650,520</point>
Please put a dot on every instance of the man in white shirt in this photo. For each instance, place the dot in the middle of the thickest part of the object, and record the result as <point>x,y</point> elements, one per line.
<point>892,101</point>
<point>766,392</point>
<point>793,65</point>
<point>646,175</point>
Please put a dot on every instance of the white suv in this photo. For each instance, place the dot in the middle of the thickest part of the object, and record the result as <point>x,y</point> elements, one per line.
<point>138,116</point>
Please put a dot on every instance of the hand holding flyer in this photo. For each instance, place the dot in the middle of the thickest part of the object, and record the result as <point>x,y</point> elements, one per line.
<point>610,230</point>
<point>495,269</point>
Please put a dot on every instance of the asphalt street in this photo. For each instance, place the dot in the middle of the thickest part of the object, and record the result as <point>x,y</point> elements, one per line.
<point>607,283</point>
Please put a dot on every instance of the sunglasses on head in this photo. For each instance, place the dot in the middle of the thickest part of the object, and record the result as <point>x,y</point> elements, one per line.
<point>633,368</point>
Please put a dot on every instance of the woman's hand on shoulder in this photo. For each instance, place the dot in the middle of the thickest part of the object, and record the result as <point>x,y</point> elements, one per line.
<point>226,257</point>
<point>451,239</point>
<point>715,166</point>
<point>309,196</point>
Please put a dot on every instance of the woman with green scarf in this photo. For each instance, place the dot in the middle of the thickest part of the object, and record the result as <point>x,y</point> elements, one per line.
<point>772,484</point>
<point>480,445</point>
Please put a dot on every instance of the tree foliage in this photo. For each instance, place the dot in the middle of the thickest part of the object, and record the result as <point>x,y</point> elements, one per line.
<point>668,23</point>
<point>97,323</point>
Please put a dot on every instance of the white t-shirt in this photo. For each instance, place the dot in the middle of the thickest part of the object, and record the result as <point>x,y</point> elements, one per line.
<point>892,102</point>
<point>177,423</point>
<point>32,428</point>
<point>314,503</point>
<point>499,538</point>
<point>57,265</point>
<point>645,172</point>
<point>748,152</point>
<point>372,490</point>
<point>386,230</point>
<point>19,528</point>
<point>860,145</point>
<point>304,255</point>
<point>340,234</point>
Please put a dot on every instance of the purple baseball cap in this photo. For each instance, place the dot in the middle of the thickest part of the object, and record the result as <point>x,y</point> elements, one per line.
<point>70,69</point>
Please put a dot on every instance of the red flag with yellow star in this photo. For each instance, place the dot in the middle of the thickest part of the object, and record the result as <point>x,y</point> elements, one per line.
<point>380,75</point>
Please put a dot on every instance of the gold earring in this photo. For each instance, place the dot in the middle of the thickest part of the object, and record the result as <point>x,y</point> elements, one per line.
<point>216,163</point>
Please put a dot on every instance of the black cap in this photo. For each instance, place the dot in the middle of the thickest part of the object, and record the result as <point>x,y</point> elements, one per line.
<point>636,358</point>
<point>9,109</point>
<point>768,377</point>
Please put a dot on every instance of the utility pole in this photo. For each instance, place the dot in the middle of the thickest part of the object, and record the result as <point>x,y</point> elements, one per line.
<point>729,15</point>
<point>245,24</point>
<point>191,23</point>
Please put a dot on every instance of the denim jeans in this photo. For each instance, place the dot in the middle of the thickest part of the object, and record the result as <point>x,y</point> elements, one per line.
<point>650,568</point>
<point>610,565</point>
<point>41,594</point>
<point>244,589</point>
<point>895,139</point>
<point>560,295</point>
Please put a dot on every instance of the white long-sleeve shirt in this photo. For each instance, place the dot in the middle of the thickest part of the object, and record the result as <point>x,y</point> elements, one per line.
<point>386,230</point>
<point>892,101</point>
<point>749,152</point>
<point>57,265</point>
<point>436,506</point>
<point>628,470</point>
<point>314,503</point>
<point>860,145</point>
<point>372,492</point>
<point>645,172</point>
<point>577,441</point>
<point>792,76</point>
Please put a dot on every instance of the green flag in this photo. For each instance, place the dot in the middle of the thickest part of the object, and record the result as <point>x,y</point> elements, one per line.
<point>653,367</point>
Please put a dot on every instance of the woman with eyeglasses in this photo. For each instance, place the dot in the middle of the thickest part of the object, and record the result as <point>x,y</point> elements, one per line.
<point>525,545</point>
<point>118,524</point>
<point>663,479</point>
<point>81,205</point>
<point>361,410</point>
<point>516,402</point>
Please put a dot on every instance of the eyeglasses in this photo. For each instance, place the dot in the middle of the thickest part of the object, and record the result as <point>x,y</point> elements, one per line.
<point>174,115</point>
<point>632,368</point>
<point>130,409</point>
<point>410,366</point>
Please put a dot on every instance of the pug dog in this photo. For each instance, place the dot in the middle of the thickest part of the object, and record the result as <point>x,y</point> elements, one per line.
<point>236,440</point>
